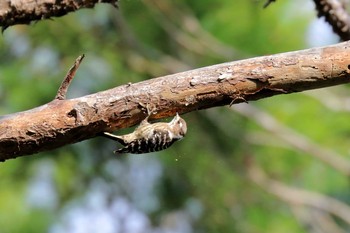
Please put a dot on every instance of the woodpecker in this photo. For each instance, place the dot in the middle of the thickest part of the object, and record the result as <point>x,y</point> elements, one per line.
<point>149,137</point>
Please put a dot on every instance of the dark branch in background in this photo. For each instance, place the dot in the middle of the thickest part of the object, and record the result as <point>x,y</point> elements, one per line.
<point>14,12</point>
<point>336,15</point>
<point>268,2</point>
<point>62,90</point>
<point>63,122</point>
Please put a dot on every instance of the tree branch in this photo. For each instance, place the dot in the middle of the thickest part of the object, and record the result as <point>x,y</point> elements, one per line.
<point>23,11</point>
<point>336,15</point>
<point>62,122</point>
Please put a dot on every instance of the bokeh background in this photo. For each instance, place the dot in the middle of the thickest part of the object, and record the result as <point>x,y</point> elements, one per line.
<point>279,164</point>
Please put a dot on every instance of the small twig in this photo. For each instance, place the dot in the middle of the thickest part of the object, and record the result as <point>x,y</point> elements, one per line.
<point>268,3</point>
<point>62,91</point>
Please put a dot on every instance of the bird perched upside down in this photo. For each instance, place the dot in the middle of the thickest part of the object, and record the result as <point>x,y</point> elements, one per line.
<point>149,137</point>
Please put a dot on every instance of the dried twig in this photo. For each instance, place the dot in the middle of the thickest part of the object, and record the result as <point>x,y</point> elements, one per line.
<point>62,90</point>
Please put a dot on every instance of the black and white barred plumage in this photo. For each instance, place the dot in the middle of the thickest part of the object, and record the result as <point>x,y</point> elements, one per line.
<point>149,137</point>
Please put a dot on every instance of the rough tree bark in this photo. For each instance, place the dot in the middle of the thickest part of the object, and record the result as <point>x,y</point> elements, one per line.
<point>62,122</point>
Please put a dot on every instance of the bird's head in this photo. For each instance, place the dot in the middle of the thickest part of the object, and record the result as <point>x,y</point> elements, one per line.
<point>179,126</point>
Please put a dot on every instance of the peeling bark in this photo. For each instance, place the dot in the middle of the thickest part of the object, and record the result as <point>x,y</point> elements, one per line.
<point>62,122</point>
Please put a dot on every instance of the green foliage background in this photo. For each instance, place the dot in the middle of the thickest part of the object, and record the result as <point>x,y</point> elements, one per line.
<point>203,183</point>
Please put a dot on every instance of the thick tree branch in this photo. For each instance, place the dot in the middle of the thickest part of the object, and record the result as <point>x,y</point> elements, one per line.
<point>62,122</point>
<point>23,11</point>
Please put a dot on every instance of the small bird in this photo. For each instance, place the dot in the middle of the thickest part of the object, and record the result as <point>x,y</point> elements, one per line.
<point>149,137</point>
